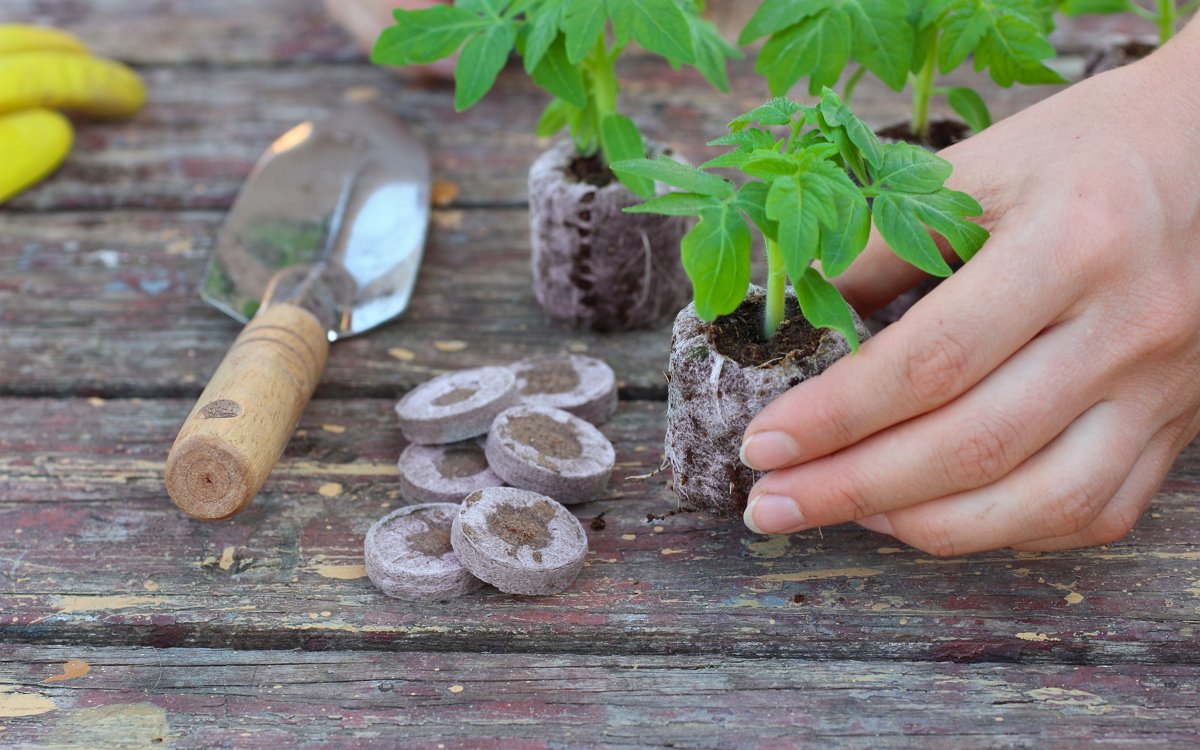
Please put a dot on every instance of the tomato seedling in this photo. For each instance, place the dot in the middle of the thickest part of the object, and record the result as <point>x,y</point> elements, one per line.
<point>1164,14</point>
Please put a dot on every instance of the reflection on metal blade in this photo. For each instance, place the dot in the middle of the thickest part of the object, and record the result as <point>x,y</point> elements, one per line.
<point>333,217</point>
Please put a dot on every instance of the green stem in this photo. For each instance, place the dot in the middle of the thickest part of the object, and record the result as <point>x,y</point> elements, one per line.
<point>852,83</point>
<point>776,289</point>
<point>603,87</point>
<point>923,90</point>
<point>1166,21</point>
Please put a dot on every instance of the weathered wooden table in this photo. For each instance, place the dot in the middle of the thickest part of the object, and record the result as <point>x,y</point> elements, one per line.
<point>261,631</point>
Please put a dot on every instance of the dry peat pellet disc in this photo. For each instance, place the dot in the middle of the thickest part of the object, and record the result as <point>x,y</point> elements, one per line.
<point>408,554</point>
<point>444,473</point>
<point>519,541</point>
<point>457,405</point>
<point>550,451</point>
<point>584,386</point>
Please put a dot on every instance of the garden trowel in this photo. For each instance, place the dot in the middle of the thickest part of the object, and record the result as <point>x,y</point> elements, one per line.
<point>323,242</point>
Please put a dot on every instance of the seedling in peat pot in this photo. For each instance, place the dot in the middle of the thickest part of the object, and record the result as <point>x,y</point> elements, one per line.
<point>1164,14</point>
<point>905,43</point>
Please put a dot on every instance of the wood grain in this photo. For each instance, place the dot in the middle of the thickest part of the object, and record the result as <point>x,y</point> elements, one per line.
<point>686,584</point>
<point>188,698</point>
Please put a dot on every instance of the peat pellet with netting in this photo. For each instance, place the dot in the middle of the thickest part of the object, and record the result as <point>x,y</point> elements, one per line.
<point>457,405</point>
<point>519,541</point>
<point>408,554</point>
<point>444,473</point>
<point>550,451</point>
<point>584,386</point>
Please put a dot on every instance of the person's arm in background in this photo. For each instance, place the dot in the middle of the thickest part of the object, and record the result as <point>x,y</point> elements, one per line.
<point>365,20</point>
<point>1038,397</point>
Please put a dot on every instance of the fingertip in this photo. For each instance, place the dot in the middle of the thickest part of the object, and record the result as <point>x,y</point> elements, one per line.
<point>766,451</point>
<point>774,514</point>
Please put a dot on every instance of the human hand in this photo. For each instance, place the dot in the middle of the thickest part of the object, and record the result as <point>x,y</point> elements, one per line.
<point>365,20</point>
<point>1038,397</point>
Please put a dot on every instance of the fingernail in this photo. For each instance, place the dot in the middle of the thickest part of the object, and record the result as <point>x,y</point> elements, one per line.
<point>765,451</point>
<point>877,523</point>
<point>773,514</point>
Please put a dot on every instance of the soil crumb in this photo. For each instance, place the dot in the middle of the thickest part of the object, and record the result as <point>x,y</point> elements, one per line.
<point>590,169</point>
<point>456,396</point>
<point>598,523</point>
<point>527,526</point>
<point>739,335</point>
<point>942,134</point>
<point>546,436</point>
<point>462,461</point>
<point>550,377</point>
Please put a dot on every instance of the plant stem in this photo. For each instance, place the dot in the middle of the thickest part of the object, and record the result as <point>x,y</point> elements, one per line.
<point>1166,21</point>
<point>852,83</point>
<point>602,89</point>
<point>923,90</point>
<point>776,289</point>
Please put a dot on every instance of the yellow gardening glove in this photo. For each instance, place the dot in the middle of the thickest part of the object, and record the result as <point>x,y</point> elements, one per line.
<point>42,70</point>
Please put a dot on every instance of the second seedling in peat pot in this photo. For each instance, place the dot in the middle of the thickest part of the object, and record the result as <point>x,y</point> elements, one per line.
<point>816,178</point>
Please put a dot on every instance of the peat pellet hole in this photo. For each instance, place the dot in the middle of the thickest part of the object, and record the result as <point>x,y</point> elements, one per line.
<point>456,396</point>
<point>546,436</point>
<point>591,170</point>
<point>739,335</point>
<point>461,461</point>
<point>523,526</point>
<point>942,133</point>
<point>549,377</point>
<point>431,542</point>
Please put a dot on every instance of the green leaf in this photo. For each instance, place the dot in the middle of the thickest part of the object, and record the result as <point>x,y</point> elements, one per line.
<point>1100,7</point>
<point>751,138</point>
<point>554,118</point>
<point>582,22</point>
<point>1012,50</point>
<point>911,169</point>
<point>491,8</point>
<point>842,243</point>
<point>481,61</point>
<point>621,141</point>
<point>961,35</point>
<point>769,165</point>
<point>751,200</point>
<point>424,36</point>
<point>817,48</point>
<point>800,204</point>
<point>970,106</point>
<point>543,30</point>
<point>676,204</point>
<point>716,257</point>
<point>557,75</point>
<point>944,212</point>
<point>671,172</point>
<point>837,114</point>
<point>711,52</point>
<point>774,16</point>
<point>824,307</point>
<point>882,39</point>
<point>896,217</point>
<point>778,111</point>
<point>657,25</point>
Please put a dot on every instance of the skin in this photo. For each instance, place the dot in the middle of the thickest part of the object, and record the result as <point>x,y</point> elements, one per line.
<point>1037,398</point>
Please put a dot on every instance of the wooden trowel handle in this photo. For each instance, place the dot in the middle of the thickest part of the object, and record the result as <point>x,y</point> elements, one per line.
<point>239,427</point>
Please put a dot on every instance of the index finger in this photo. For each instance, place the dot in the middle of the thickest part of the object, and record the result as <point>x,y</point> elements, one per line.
<point>944,345</point>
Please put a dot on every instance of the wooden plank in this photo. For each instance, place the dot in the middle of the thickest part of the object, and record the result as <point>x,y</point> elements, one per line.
<point>98,555</point>
<point>270,699</point>
<point>203,128</point>
<point>106,304</point>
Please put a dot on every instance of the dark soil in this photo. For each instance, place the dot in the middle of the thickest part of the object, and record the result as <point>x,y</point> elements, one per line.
<point>598,523</point>
<point>942,133</point>
<point>592,170</point>
<point>546,436</point>
<point>1116,56</point>
<point>456,396</point>
<point>527,526</point>
<point>550,377</point>
<point>432,542</point>
<point>739,336</point>
<point>462,461</point>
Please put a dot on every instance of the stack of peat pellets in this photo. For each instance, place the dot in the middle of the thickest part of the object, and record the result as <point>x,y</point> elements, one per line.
<point>492,508</point>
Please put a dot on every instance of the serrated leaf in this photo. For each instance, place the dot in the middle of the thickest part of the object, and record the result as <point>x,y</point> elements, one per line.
<point>897,220</point>
<point>961,35</point>
<point>676,204</point>
<point>774,16</point>
<point>716,257</point>
<point>481,61</point>
<point>582,23</point>
<point>882,39</point>
<point>554,118</point>
<point>817,48</point>
<point>778,111</point>
<point>800,205</point>
<point>711,52</point>
<point>837,114</point>
<point>424,36</point>
<point>731,160</point>
<point>657,25</point>
<point>1012,50</point>
<point>557,75</point>
<point>911,169</point>
<point>970,106</point>
<point>749,138</point>
<point>944,212</point>
<point>621,141</point>
<point>543,30</point>
<point>751,200</point>
<point>824,307</point>
<point>842,242</point>
<point>768,165</point>
<point>688,179</point>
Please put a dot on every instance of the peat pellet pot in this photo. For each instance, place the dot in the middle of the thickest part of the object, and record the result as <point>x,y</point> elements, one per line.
<point>721,374</point>
<point>594,265</point>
